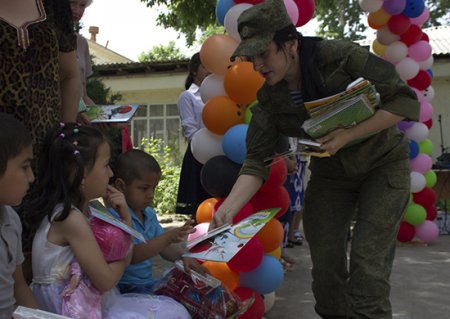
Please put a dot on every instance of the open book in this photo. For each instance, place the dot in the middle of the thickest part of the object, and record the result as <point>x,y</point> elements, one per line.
<point>99,211</point>
<point>222,243</point>
<point>28,313</point>
<point>111,113</point>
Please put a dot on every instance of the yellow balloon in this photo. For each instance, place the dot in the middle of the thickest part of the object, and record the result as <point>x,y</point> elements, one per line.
<point>378,48</point>
<point>275,253</point>
<point>378,18</point>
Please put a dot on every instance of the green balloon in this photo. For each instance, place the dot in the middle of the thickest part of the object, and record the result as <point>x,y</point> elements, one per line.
<point>415,214</point>
<point>248,112</point>
<point>426,146</point>
<point>430,178</point>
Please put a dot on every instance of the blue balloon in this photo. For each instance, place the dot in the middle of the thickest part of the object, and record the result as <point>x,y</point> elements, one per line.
<point>413,149</point>
<point>222,8</point>
<point>430,72</point>
<point>267,277</point>
<point>233,143</point>
<point>414,8</point>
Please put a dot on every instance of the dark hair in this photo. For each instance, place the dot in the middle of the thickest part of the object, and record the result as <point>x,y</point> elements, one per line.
<point>67,152</point>
<point>286,34</point>
<point>132,164</point>
<point>194,64</point>
<point>14,137</point>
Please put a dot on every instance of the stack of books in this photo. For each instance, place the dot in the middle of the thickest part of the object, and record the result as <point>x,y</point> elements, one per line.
<point>343,110</point>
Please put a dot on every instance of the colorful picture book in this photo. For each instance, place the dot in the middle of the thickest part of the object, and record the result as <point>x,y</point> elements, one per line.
<point>99,211</point>
<point>343,110</point>
<point>111,113</point>
<point>222,243</point>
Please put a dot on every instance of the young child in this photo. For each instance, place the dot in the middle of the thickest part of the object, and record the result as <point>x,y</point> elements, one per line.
<point>74,169</point>
<point>137,174</point>
<point>16,154</point>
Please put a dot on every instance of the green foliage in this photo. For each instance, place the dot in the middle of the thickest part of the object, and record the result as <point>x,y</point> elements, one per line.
<point>185,16</point>
<point>162,53</point>
<point>166,193</point>
<point>101,94</point>
<point>342,19</point>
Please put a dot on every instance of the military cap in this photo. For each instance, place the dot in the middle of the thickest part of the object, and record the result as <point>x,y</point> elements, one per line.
<point>257,26</point>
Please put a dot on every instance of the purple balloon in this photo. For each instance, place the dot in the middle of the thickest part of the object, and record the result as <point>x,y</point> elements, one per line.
<point>394,7</point>
<point>404,125</point>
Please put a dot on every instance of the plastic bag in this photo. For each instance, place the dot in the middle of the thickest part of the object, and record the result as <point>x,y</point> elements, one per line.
<point>203,296</point>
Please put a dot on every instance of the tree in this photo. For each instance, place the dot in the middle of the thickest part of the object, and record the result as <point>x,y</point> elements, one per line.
<point>162,53</point>
<point>101,94</point>
<point>338,18</point>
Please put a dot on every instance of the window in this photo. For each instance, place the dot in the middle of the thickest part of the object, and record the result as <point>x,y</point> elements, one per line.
<point>160,121</point>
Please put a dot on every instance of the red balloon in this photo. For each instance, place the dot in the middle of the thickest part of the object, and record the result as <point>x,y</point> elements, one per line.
<point>426,197</point>
<point>425,37</point>
<point>429,123</point>
<point>431,212</point>
<point>411,36</point>
<point>421,81</point>
<point>248,258</point>
<point>277,197</point>
<point>277,175</point>
<point>406,232</point>
<point>256,311</point>
<point>305,11</point>
<point>399,24</point>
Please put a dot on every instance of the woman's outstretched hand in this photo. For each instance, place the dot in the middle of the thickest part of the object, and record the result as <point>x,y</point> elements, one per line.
<point>221,217</point>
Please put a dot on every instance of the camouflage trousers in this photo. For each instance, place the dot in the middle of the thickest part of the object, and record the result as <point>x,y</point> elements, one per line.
<point>375,202</point>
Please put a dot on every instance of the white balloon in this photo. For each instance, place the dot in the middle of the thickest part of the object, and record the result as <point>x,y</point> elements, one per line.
<point>370,5</point>
<point>407,68</point>
<point>230,21</point>
<point>269,301</point>
<point>212,86</point>
<point>428,94</point>
<point>205,145</point>
<point>418,182</point>
<point>418,132</point>
<point>385,36</point>
<point>396,51</point>
<point>426,64</point>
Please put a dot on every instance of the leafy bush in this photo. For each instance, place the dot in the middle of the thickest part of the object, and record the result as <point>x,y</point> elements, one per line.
<point>166,193</point>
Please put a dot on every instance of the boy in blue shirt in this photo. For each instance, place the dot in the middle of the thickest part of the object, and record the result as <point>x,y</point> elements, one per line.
<point>136,175</point>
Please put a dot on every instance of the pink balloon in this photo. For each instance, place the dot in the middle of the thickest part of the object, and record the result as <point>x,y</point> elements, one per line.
<point>420,20</point>
<point>428,231</point>
<point>426,111</point>
<point>420,51</point>
<point>422,163</point>
<point>292,10</point>
<point>200,229</point>
<point>305,11</point>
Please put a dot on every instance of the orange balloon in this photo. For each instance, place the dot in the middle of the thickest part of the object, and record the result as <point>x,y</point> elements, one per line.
<point>222,272</point>
<point>216,51</point>
<point>221,113</point>
<point>275,253</point>
<point>378,18</point>
<point>205,210</point>
<point>271,235</point>
<point>242,83</point>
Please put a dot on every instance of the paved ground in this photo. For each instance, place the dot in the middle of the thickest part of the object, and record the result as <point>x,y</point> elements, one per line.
<point>420,283</point>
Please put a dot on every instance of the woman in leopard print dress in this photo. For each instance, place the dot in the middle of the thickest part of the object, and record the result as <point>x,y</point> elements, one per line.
<point>39,76</point>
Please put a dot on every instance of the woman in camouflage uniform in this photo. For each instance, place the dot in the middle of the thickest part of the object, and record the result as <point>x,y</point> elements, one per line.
<point>368,181</point>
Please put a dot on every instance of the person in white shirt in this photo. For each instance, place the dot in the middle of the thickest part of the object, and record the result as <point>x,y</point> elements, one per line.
<point>190,107</point>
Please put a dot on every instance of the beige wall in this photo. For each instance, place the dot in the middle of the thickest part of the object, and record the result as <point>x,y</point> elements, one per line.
<point>161,88</point>
<point>441,104</point>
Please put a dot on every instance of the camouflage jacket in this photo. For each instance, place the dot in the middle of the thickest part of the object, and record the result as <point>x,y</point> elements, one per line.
<point>328,66</point>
